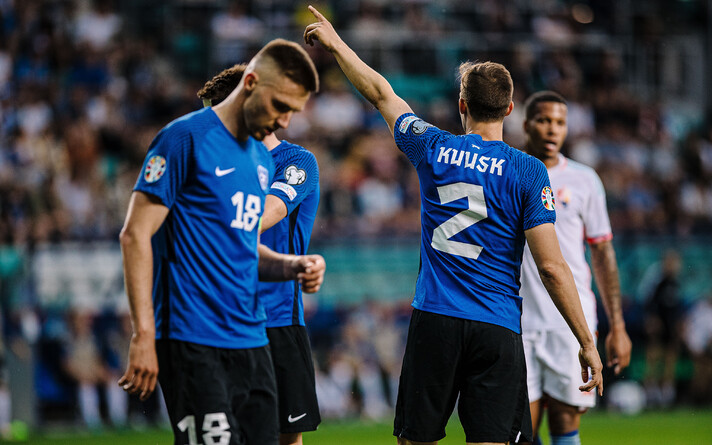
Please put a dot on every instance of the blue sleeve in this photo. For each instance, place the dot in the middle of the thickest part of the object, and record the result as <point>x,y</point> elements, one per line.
<point>297,181</point>
<point>538,198</point>
<point>165,168</point>
<point>415,137</point>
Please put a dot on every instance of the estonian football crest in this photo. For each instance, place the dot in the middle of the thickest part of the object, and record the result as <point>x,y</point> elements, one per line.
<point>155,167</point>
<point>295,175</point>
<point>263,176</point>
<point>547,198</point>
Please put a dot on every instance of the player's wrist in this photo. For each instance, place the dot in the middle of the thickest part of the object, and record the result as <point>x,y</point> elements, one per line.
<point>617,326</point>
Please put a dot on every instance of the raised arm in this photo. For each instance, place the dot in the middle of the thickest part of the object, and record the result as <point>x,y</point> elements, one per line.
<point>145,216</point>
<point>559,282</point>
<point>605,272</point>
<point>374,87</point>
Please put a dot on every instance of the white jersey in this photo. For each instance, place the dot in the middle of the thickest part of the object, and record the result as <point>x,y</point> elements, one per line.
<point>581,215</point>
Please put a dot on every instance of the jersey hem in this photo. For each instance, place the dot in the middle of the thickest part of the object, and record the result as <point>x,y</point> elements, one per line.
<point>499,321</point>
<point>213,344</point>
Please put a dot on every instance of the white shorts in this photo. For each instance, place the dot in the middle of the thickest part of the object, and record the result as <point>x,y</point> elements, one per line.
<point>553,367</point>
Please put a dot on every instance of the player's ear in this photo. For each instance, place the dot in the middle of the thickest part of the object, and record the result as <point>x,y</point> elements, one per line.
<point>251,80</point>
<point>462,106</point>
<point>510,108</point>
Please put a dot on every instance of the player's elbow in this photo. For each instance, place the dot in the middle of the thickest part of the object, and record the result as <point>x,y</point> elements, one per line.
<point>551,272</point>
<point>129,236</point>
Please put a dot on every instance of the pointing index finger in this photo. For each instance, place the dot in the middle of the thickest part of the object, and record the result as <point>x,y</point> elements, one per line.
<point>317,14</point>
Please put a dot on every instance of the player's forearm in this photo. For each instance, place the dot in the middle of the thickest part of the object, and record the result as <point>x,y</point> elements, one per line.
<point>559,283</point>
<point>138,279</point>
<point>274,266</point>
<point>605,272</point>
<point>373,86</point>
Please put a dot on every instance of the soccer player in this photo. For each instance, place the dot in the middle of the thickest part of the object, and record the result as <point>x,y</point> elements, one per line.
<point>190,239</point>
<point>480,200</point>
<point>294,193</point>
<point>581,217</point>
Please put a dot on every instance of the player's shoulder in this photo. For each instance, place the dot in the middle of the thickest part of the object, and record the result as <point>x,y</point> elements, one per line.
<point>581,172</point>
<point>288,152</point>
<point>190,123</point>
<point>522,161</point>
<point>411,125</point>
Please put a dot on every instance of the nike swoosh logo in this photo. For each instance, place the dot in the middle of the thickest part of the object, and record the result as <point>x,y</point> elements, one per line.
<point>291,419</point>
<point>219,172</point>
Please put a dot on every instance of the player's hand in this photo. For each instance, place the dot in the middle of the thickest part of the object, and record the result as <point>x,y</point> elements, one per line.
<point>142,371</point>
<point>589,359</point>
<point>618,348</point>
<point>322,31</point>
<point>310,272</point>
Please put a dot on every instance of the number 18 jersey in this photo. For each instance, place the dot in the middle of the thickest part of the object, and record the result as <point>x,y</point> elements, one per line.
<point>477,199</point>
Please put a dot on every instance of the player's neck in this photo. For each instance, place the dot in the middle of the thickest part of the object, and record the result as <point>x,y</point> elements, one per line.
<point>489,131</point>
<point>271,142</point>
<point>229,111</point>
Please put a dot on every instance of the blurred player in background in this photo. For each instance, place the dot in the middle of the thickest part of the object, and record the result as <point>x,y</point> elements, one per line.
<point>581,216</point>
<point>191,239</point>
<point>480,200</point>
<point>287,221</point>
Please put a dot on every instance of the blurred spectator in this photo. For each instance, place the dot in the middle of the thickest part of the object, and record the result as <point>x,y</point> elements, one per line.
<point>235,34</point>
<point>663,316</point>
<point>698,339</point>
<point>83,363</point>
<point>98,25</point>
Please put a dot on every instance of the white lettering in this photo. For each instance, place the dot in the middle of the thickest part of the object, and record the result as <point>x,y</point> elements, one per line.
<point>496,165</point>
<point>444,154</point>
<point>457,161</point>
<point>469,164</point>
<point>468,159</point>
<point>482,165</point>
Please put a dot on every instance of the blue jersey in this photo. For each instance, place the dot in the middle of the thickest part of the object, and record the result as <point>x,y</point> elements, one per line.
<point>477,199</point>
<point>205,253</point>
<point>296,183</point>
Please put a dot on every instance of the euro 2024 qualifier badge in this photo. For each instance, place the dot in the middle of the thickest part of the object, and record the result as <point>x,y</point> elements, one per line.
<point>155,167</point>
<point>547,198</point>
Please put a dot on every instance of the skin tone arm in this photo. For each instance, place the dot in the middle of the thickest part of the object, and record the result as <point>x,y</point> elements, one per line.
<point>374,87</point>
<point>145,216</point>
<point>308,269</point>
<point>559,282</point>
<point>605,272</point>
<point>275,210</point>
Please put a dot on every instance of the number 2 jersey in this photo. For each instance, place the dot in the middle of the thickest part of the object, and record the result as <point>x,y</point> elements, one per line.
<point>296,183</point>
<point>477,199</point>
<point>205,253</point>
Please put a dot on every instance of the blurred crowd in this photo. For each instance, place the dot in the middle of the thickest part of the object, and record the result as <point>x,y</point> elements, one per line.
<point>86,84</point>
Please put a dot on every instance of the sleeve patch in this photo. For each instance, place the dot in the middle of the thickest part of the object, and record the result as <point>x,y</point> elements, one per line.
<point>286,188</point>
<point>155,167</point>
<point>295,175</point>
<point>547,198</point>
<point>405,123</point>
<point>419,127</point>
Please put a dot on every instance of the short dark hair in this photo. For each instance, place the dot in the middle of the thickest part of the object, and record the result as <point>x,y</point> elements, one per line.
<point>487,89</point>
<point>539,97</point>
<point>293,61</point>
<point>222,84</point>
